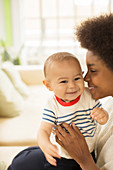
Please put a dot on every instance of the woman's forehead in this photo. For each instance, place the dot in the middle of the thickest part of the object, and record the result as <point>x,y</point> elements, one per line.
<point>92,59</point>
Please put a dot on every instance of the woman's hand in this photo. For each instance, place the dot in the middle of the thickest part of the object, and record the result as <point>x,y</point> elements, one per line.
<point>75,144</point>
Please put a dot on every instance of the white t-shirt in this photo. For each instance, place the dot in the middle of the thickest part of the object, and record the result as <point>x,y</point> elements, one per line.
<point>78,111</point>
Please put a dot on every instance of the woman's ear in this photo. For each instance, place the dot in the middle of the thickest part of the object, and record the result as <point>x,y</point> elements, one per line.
<point>47,84</point>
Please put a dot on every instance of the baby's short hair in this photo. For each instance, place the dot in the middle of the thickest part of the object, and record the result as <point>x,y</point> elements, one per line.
<point>58,57</point>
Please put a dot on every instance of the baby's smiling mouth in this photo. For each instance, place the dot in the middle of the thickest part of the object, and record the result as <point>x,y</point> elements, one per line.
<point>74,92</point>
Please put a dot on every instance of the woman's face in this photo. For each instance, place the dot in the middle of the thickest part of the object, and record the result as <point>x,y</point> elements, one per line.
<point>99,77</point>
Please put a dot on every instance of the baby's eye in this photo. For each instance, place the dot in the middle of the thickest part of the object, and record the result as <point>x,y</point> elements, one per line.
<point>77,78</point>
<point>64,81</point>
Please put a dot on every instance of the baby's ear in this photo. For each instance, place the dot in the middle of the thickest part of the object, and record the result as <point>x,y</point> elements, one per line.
<point>47,84</point>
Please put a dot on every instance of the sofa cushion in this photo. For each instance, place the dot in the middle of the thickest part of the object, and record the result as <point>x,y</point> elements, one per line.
<point>15,78</point>
<point>22,130</point>
<point>11,102</point>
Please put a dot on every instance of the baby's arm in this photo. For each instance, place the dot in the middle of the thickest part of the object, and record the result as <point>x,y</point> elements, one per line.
<point>100,115</point>
<point>46,146</point>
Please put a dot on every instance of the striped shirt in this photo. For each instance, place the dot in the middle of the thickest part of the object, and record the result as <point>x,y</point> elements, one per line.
<point>56,112</point>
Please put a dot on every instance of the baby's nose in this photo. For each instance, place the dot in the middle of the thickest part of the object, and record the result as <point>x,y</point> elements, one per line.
<point>72,85</point>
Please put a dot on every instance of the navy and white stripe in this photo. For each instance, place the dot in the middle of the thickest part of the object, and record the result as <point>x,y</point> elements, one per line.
<point>81,118</point>
<point>78,113</point>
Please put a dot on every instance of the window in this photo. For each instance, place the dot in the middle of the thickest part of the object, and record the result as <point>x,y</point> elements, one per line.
<point>48,26</point>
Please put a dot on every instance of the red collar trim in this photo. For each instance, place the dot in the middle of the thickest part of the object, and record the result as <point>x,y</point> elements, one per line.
<point>67,103</point>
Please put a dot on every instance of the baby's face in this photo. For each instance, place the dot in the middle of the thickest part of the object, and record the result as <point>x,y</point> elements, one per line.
<point>66,80</point>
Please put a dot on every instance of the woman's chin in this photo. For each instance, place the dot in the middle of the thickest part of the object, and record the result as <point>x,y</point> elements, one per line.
<point>94,96</point>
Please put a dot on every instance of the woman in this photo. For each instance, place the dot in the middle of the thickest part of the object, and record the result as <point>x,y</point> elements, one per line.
<point>96,35</point>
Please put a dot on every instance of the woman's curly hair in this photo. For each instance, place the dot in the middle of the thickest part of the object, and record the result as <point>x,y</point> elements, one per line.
<point>96,35</point>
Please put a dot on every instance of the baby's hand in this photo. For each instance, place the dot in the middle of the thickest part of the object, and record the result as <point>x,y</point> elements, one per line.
<point>100,115</point>
<point>50,153</point>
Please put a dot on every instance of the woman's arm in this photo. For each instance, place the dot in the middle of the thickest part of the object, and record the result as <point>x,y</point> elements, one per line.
<point>75,144</point>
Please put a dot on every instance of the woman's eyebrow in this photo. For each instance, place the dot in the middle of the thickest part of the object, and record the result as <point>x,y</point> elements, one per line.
<point>91,65</point>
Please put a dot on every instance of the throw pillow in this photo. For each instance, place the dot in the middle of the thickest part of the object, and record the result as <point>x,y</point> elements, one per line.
<point>11,102</point>
<point>15,78</point>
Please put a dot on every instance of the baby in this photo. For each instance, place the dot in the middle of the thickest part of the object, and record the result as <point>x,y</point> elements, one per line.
<point>70,102</point>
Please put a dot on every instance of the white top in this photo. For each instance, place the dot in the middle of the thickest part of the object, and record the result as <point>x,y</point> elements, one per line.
<point>79,112</point>
<point>105,140</point>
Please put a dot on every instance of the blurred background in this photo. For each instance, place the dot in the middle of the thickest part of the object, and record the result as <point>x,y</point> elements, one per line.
<point>31,30</point>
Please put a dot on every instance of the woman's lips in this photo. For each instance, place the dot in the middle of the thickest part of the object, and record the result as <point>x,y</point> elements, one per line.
<point>90,88</point>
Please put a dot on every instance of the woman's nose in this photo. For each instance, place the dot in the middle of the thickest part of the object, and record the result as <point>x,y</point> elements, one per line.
<point>86,77</point>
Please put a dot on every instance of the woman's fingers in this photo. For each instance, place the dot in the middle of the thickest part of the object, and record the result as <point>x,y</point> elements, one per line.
<point>73,130</point>
<point>74,142</point>
<point>63,134</point>
<point>59,141</point>
<point>76,129</point>
<point>60,133</point>
<point>70,132</point>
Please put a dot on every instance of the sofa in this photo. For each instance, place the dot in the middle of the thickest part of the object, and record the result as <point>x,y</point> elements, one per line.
<point>20,131</point>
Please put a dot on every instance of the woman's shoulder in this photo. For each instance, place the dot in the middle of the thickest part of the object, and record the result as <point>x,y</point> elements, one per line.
<point>107,103</point>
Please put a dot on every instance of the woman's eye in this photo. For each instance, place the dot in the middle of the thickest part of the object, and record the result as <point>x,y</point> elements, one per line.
<point>92,71</point>
<point>64,81</point>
